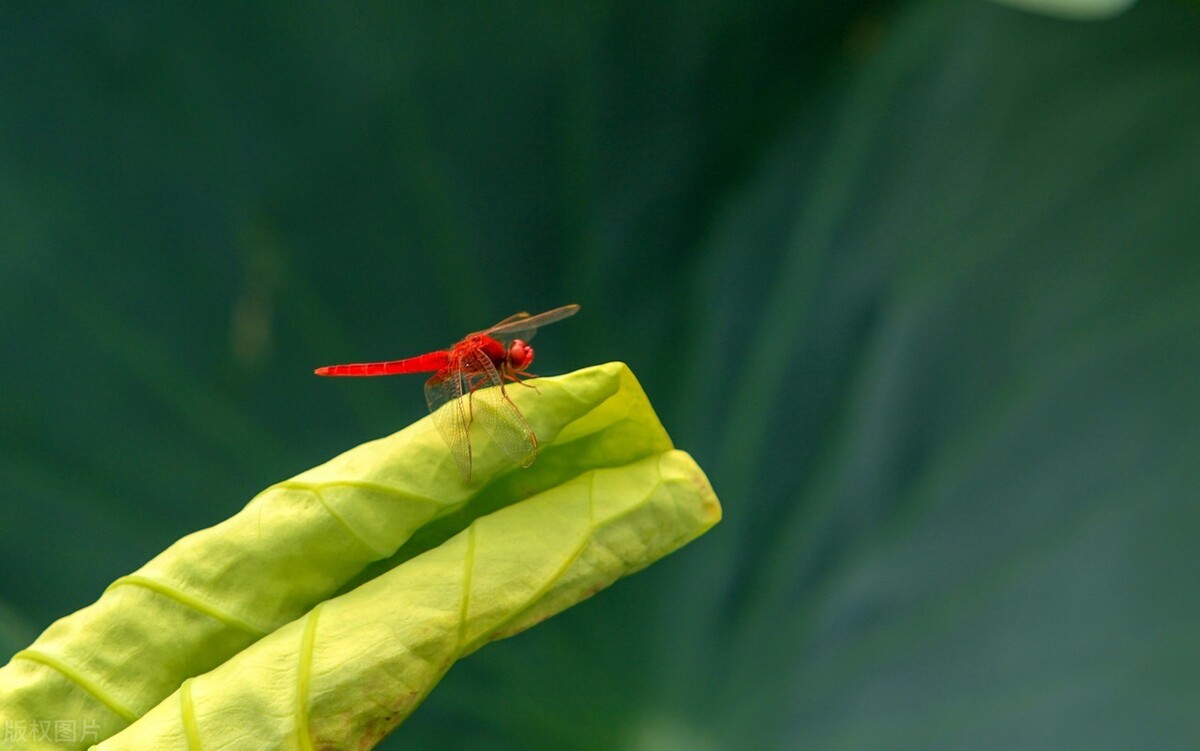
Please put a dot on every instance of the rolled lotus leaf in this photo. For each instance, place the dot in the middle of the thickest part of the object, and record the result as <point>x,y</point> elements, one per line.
<point>349,671</point>
<point>1078,10</point>
<point>215,592</point>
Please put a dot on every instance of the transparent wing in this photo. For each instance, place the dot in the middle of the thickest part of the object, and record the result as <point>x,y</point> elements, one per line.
<point>524,326</point>
<point>496,412</point>
<point>449,412</point>
<point>511,319</point>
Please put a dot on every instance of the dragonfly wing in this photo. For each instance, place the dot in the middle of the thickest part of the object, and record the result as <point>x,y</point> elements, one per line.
<point>524,326</point>
<point>511,319</point>
<point>501,419</point>
<point>449,411</point>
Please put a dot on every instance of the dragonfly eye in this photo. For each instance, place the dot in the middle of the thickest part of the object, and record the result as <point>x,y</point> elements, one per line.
<point>520,354</point>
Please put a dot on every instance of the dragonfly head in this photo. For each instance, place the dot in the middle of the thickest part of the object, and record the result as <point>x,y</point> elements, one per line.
<point>519,355</point>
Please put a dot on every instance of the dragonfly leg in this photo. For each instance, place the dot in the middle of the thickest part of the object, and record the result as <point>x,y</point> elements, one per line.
<point>531,386</point>
<point>472,384</point>
<point>517,378</point>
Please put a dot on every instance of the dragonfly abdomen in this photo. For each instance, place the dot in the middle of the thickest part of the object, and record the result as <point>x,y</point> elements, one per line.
<point>427,363</point>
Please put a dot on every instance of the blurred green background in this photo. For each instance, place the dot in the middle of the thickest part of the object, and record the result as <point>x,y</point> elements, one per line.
<point>918,285</point>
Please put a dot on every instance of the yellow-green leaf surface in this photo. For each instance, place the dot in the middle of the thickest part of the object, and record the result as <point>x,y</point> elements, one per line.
<point>355,666</point>
<point>216,592</point>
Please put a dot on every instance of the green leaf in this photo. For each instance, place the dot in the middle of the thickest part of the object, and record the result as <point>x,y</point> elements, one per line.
<point>1073,9</point>
<point>217,591</point>
<point>355,666</point>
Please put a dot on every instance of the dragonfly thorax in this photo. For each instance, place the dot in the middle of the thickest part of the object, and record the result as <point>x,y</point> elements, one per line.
<point>513,357</point>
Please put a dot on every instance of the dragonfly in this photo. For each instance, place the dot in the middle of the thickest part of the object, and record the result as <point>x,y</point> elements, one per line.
<point>478,367</point>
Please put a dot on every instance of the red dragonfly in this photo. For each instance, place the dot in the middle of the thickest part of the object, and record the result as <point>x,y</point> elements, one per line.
<point>482,360</point>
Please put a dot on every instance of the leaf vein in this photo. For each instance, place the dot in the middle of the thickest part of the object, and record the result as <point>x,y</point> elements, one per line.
<point>78,678</point>
<point>468,570</point>
<point>377,552</point>
<point>190,601</point>
<point>187,710</point>
<point>304,678</point>
<point>359,484</point>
